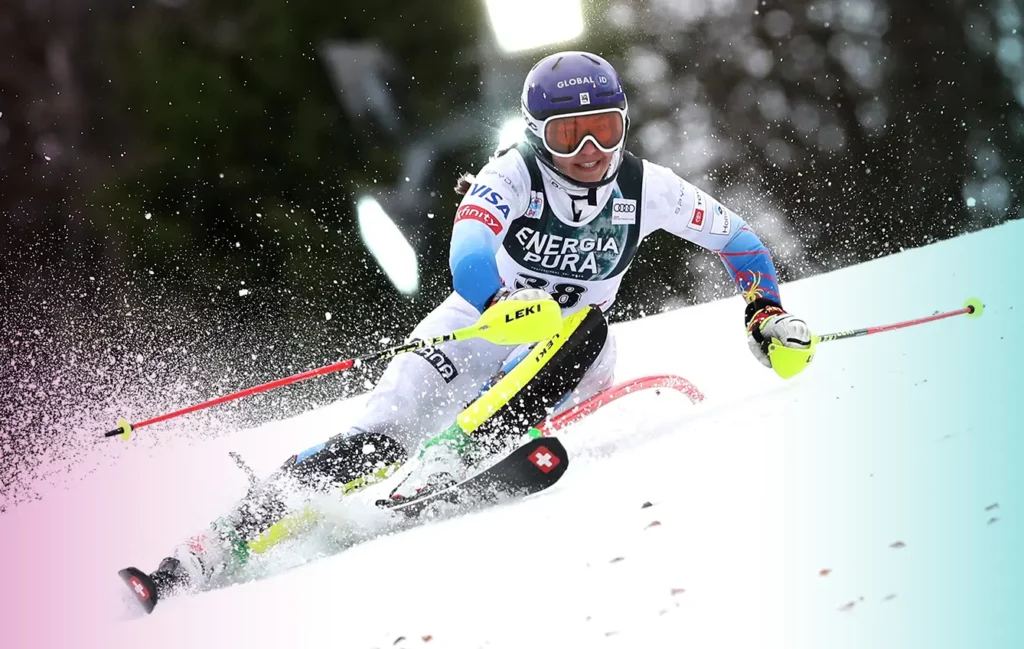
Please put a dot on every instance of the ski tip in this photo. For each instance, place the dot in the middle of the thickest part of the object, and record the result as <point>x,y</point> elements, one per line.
<point>142,587</point>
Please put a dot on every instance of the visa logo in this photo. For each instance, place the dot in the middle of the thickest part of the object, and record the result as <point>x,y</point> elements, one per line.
<point>491,196</point>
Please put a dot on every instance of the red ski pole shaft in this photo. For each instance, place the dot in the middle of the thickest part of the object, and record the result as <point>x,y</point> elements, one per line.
<point>505,323</point>
<point>972,307</point>
<point>124,428</point>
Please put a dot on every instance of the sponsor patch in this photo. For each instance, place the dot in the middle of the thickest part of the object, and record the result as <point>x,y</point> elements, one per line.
<point>699,209</point>
<point>494,198</point>
<point>476,213</point>
<point>575,81</point>
<point>584,98</point>
<point>623,211</point>
<point>721,222</point>
<point>536,207</point>
<point>444,365</point>
<point>505,179</point>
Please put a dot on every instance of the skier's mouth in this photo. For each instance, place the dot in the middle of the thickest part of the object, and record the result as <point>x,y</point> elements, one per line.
<point>588,165</point>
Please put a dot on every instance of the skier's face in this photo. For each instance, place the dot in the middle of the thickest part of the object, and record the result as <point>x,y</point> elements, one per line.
<point>588,166</point>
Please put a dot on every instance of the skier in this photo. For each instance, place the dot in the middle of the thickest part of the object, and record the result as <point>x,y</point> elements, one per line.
<point>557,217</point>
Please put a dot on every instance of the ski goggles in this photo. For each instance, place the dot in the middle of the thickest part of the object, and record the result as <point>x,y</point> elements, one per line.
<point>565,135</point>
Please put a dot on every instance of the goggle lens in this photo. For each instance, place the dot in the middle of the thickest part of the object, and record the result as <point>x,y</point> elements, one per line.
<point>564,135</point>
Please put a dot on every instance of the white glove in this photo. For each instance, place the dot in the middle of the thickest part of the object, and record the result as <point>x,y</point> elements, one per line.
<point>772,322</point>
<point>526,294</point>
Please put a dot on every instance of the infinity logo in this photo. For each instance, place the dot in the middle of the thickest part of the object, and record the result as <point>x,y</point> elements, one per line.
<point>624,208</point>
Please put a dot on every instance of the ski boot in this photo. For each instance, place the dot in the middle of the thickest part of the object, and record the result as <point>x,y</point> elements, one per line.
<point>444,460</point>
<point>175,575</point>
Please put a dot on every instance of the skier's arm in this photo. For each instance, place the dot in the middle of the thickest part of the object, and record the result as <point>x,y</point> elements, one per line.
<point>499,194</point>
<point>698,217</point>
<point>703,220</point>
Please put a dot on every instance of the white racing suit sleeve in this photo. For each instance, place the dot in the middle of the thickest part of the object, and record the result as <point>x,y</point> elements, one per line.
<point>674,205</point>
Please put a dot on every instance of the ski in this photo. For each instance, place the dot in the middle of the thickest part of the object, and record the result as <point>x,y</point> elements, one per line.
<point>142,587</point>
<point>529,469</point>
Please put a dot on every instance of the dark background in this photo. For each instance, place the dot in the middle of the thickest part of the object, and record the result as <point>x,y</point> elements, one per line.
<point>157,157</point>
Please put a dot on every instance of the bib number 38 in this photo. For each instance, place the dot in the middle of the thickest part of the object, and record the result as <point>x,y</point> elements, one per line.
<point>567,295</point>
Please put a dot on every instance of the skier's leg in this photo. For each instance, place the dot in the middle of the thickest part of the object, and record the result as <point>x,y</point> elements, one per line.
<point>529,389</point>
<point>418,394</point>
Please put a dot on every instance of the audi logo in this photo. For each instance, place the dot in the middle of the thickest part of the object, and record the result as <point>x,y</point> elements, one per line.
<point>624,208</point>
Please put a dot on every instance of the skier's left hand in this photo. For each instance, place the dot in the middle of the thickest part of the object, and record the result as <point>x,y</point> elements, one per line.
<point>767,321</point>
<point>526,294</point>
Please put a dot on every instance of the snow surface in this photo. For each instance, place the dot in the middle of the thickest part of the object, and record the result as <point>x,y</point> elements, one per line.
<point>852,506</point>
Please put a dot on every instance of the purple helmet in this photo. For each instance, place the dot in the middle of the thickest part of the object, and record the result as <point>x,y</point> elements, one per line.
<point>570,98</point>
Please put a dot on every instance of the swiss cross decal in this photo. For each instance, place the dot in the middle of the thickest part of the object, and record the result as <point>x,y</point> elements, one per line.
<point>544,459</point>
<point>139,588</point>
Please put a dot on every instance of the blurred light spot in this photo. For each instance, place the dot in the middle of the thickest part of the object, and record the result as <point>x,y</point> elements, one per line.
<point>778,23</point>
<point>872,114</point>
<point>646,66</point>
<point>831,138</point>
<point>517,28</point>
<point>621,15</point>
<point>987,160</point>
<point>1011,51</point>
<point>655,137</point>
<point>996,193</point>
<point>806,118</point>
<point>758,63</point>
<point>773,104</point>
<point>511,133</point>
<point>388,246</point>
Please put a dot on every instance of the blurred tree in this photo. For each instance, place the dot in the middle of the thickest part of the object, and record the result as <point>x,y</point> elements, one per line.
<point>843,129</point>
<point>178,177</point>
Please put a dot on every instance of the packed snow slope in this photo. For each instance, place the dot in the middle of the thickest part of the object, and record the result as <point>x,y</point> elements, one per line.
<point>874,501</point>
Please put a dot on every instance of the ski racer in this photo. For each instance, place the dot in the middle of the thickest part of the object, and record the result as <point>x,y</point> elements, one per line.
<point>558,217</point>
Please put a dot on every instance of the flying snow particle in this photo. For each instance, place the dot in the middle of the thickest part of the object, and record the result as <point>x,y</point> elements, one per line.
<point>243,292</point>
<point>327,315</point>
<point>971,202</point>
<point>149,215</point>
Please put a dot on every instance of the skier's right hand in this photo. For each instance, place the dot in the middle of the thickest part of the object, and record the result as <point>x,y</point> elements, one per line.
<point>525,294</point>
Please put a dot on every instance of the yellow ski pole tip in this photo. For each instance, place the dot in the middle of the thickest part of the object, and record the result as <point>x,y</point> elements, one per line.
<point>976,308</point>
<point>126,429</point>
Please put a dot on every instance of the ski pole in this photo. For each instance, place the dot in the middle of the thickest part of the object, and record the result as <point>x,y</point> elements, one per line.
<point>788,361</point>
<point>506,323</point>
